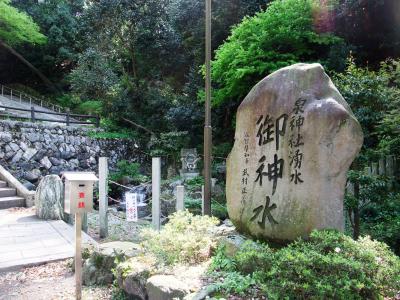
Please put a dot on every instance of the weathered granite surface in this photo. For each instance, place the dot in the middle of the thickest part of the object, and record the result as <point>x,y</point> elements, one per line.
<point>49,198</point>
<point>295,140</point>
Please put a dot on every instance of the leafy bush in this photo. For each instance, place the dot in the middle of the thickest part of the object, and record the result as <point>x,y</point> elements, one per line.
<point>131,170</point>
<point>184,239</point>
<point>329,265</point>
<point>91,107</point>
<point>218,210</point>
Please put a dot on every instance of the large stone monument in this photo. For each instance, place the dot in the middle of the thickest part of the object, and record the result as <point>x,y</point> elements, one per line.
<point>295,140</point>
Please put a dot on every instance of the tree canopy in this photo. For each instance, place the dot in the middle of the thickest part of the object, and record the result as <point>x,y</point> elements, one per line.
<point>17,27</point>
<point>281,35</point>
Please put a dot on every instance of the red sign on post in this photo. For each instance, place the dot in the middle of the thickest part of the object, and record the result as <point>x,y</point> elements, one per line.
<point>81,195</point>
<point>81,204</point>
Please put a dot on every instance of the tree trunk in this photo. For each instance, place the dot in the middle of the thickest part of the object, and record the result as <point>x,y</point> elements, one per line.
<point>46,81</point>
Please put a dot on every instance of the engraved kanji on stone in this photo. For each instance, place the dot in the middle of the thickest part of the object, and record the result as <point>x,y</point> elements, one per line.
<point>296,177</point>
<point>296,159</point>
<point>265,131</point>
<point>296,122</point>
<point>299,105</point>
<point>275,171</point>
<point>266,213</point>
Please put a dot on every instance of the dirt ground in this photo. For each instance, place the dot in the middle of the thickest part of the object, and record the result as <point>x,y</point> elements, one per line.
<point>52,281</point>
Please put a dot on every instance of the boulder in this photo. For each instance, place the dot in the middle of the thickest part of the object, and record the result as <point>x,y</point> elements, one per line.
<point>132,276</point>
<point>97,269</point>
<point>294,142</point>
<point>166,287</point>
<point>49,198</point>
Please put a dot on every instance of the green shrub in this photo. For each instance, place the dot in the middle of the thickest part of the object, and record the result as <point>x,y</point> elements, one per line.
<point>329,265</point>
<point>184,239</point>
<point>131,170</point>
<point>91,107</point>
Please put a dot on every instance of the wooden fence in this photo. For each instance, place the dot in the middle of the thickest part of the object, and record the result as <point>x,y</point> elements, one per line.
<point>68,118</point>
<point>16,95</point>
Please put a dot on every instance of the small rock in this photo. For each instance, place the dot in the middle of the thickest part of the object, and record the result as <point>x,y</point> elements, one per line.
<point>29,186</point>
<point>55,161</point>
<point>14,146</point>
<point>45,162</point>
<point>6,137</point>
<point>17,157</point>
<point>29,153</point>
<point>33,176</point>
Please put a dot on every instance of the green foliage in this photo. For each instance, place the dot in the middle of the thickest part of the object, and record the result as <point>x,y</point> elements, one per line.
<point>184,239</point>
<point>92,107</point>
<point>281,35</point>
<point>371,95</point>
<point>382,221</point>
<point>329,265</point>
<point>127,169</point>
<point>168,144</point>
<point>16,27</point>
<point>94,76</point>
<point>195,183</point>
<point>60,21</point>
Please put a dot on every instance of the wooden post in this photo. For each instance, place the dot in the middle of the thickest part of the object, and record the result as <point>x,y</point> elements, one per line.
<point>32,114</point>
<point>367,171</point>
<point>20,97</point>
<point>374,167</point>
<point>2,90</point>
<point>382,169</point>
<point>103,199</point>
<point>67,117</point>
<point>180,196</point>
<point>78,256</point>
<point>85,222</point>
<point>202,200</point>
<point>156,181</point>
<point>390,165</point>
<point>97,121</point>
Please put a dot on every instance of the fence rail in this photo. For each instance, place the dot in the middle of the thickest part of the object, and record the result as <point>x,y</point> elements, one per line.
<point>16,95</point>
<point>69,118</point>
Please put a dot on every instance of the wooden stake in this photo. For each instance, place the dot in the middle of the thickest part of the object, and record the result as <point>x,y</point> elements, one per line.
<point>78,256</point>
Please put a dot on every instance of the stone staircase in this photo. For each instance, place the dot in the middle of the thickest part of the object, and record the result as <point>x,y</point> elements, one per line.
<point>12,192</point>
<point>9,197</point>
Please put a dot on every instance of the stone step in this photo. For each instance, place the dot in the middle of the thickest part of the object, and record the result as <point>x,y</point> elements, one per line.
<point>3,184</point>
<point>8,202</point>
<point>7,192</point>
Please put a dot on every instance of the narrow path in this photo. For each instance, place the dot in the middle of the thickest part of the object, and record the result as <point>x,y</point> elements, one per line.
<point>6,101</point>
<point>26,240</point>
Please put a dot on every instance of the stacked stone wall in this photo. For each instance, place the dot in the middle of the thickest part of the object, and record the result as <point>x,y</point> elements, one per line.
<point>30,151</point>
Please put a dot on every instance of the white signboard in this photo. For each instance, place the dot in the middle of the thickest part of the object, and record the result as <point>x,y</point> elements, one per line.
<point>131,207</point>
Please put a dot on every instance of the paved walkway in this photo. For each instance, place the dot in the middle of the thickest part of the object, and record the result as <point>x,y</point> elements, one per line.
<point>26,240</point>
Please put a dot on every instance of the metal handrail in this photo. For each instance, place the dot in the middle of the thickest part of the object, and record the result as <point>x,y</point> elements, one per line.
<point>15,94</point>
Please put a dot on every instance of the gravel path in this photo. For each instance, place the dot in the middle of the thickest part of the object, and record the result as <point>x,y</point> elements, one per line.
<point>53,281</point>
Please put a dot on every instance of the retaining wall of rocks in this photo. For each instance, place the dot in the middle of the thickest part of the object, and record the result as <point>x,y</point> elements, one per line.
<point>30,151</point>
